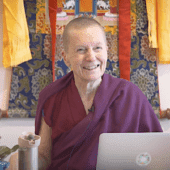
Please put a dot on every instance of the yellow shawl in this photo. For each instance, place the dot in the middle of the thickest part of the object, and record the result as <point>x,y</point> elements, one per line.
<point>159,28</point>
<point>15,34</point>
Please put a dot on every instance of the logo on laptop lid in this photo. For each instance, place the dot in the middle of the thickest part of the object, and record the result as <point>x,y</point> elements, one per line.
<point>143,159</point>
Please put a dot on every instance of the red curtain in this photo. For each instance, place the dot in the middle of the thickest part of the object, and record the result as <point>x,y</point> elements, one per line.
<point>52,15</point>
<point>124,39</point>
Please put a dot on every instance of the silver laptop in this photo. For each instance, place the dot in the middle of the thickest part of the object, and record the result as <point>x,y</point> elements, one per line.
<point>134,151</point>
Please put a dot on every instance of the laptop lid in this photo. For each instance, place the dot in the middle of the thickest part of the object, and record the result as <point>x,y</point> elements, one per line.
<point>134,151</point>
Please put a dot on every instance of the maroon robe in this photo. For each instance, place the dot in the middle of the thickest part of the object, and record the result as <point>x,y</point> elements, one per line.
<point>118,107</point>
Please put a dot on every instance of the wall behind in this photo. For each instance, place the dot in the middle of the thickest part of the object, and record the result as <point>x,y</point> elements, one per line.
<point>164,85</point>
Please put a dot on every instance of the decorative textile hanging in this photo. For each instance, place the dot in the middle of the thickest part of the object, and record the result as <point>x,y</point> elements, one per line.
<point>29,78</point>
<point>15,34</point>
<point>159,24</point>
<point>144,72</point>
<point>124,39</point>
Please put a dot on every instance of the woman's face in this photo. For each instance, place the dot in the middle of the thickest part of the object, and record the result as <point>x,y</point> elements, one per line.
<point>87,53</point>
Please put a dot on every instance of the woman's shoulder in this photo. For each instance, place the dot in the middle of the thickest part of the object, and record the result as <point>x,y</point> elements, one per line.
<point>120,84</point>
<point>56,86</point>
<point>118,81</point>
<point>49,92</point>
<point>55,96</point>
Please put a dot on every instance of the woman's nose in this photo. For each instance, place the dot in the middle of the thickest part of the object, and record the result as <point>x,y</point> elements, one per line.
<point>90,55</point>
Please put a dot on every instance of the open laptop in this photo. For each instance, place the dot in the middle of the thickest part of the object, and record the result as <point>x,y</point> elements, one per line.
<point>134,151</point>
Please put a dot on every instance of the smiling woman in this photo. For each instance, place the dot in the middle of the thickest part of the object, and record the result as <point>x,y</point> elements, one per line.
<point>86,102</point>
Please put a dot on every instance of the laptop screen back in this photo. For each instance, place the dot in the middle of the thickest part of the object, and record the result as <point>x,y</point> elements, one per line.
<point>120,151</point>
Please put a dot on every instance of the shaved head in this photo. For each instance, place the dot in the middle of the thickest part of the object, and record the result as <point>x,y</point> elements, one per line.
<point>79,24</point>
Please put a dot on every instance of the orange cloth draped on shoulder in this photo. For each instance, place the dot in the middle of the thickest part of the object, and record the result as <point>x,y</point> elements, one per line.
<point>158,28</point>
<point>15,34</point>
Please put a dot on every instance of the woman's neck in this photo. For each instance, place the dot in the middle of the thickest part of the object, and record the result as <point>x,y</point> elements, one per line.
<point>87,89</point>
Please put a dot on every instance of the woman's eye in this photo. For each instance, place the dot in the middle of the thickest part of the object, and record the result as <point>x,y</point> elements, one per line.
<point>98,47</point>
<point>80,50</point>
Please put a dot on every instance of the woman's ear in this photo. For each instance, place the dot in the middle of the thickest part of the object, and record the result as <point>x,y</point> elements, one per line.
<point>66,59</point>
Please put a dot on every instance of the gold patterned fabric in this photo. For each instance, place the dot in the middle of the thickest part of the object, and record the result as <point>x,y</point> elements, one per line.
<point>15,34</point>
<point>158,28</point>
<point>113,3</point>
<point>86,5</point>
<point>42,17</point>
<point>133,17</point>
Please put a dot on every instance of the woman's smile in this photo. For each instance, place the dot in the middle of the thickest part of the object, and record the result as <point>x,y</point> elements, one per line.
<point>91,68</point>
